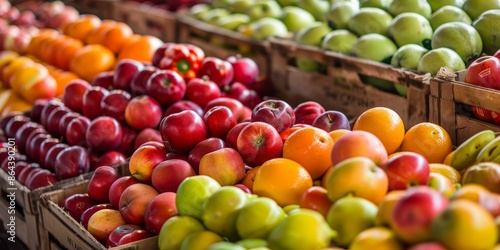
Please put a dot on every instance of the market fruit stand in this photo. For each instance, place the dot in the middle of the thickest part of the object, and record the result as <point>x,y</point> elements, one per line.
<point>101,95</point>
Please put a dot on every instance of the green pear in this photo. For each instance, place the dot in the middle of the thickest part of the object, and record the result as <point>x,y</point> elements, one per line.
<point>240,6</point>
<point>433,60</point>
<point>318,8</point>
<point>448,14</point>
<point>199,10</point>
<point>340,13</point>
<point>381,4</point>
<point>176,229</point>
<point>296,18</point>
<point>213,15</point>
<point>340,41</point>
<point>488,26</point>
<point>221,3</point>
<point>349,216</point>
<point>233,21</point>
<point>408,56</point>
<point>268,26</point>
<point>421,7</point>
<point>370,20</point>
<point>475,8</point>
<point>410,28</point>
<point>193,192</point>
<point>285,3</point>
<point>312,35</point>
<point>258,218</point>
<point>225,246</point>
<point>460,37</point>
<point>355,2</point>
<point>264,9</point>
<point>438,4</point>
<point>252,243</point>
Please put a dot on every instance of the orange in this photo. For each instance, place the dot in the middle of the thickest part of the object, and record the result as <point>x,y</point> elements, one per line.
<point>116,37</point>
<point>336,134</point>
<point>97,35</point>
<point>250,177</point>
<point>140,48</point>
<point>18,105</point>
<point>385,124</point>
<point>62,79</point>
<point>446,170</point>
<point>65,51</point>
<point>447,159</point>
<point>282,180</point>
<point>80,28</point>
<point>91,60</point>
<point>428,139</point>
<point>310,147</point>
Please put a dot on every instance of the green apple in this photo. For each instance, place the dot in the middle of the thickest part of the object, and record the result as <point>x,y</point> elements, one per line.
<point>421,7</point>
<point>213,15</point>
<point>438,4</point>
<point>334,2</point>
<point>408,56</point>
<point>193,192</point>
<point>240,6</point>
<point>310,225</point>
<point>488,26</point>
<point>176,229</point>
<point>285,3</point>
<point>312,35</point>
<point>221,3</point>
<point>448,14</point>
<point>233,21</point>
<point>252,243</point>
<point>460,37</point>
<point>381,4</point>
<point>268,26</point>
<point>410,28</point>
<point>475,8</point>
<point>258,218</point>
<point>318,8</point>
<point>349,216</point>
<point>433,60</point>
<point>200,240</point>
<point>264,9</point>
<point>340,13</point>
<point>340,41</point>
<point>225,246</point>
<point>199,10</point>
<point>296,18</point>
<point>370,20</point>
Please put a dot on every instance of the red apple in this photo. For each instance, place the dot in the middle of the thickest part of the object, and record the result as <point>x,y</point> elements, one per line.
<point>482,114</point>
<point>232,135</point>
<point>331,120</point>
<point>52,124</point>
<point>159,54</point>
<point>26,171</point>
<point>76,131</point>
<point>64,122</point>
<point>84,218</point>
<point>47,110</point>
<point>22,134</point>
<point>144,160</point>
<point>316,198</point>
<point>91,104</point>
<point>248,97</point>
<point>44,148</point>
<point>169,174</point>
<point>18,167</point>
<point>124,73</point>
<point>138,83</point>
<point>120,232</point>
<point>259,142</point>
<point>219,120</point>
<point>201,91</point>
<point>428,246</point>
<point>104,134</point>
<point>483,72</point>
<point>181,106</point>
<point>224,165</point>
<point>166,86</point>
<point>128,141</point>
<point>117,188</point>
<point>51,155</point>
<point>143,112</point>
<point>110,158</point>
<point>76,204</point>
<point>134,201</point>
<point>245,69</point>
<point>147,135</point>
<point>496,117</point>
<point>13,125</point>
<point>182,131</point>
<point>219,71</point>
<point>115,103</point>
<point>35,141</point>
<point>72,161</point>
<point>104,80</point>
<point>40,179</point>
<point>100,182</point>
<point>405,170</point>
<point>73,94</point>
<point>414,213</point>
<point>234,105</point>
<point>306,112</point>
<point>277,113</point>
<point>134,236</point>
<point>206,146</point>
<point>160,209</point>
<point>172,156</point>
<point>36,110</point>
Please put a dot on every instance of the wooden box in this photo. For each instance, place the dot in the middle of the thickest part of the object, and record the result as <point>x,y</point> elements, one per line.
<point>101,8</point>
<point>340,87</point>
<point>146,19</point>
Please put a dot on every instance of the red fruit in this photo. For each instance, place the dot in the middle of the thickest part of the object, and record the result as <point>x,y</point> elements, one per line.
<point>100,183</point>
<point>73,94</point>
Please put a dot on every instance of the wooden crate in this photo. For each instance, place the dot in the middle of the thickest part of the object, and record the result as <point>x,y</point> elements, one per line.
<point>450,107</point>
<point>146,19</point>
<point>222,43</point>
<point>340,87</point>
<point>59,226</point>
<point>101,8</point>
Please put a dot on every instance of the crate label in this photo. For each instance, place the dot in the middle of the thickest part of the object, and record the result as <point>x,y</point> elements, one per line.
<point>73,244</point>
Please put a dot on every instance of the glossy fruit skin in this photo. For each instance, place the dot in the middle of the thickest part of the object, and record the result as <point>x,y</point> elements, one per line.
<point>72,161</point>
<point>406,170</point>
<point>182,131</point>
<point>76,204</point>
<point>104,133</point>
<point>100,183</point>
<point>485,72</point>
<point>218,70</point>
<point>278,113</point>
<point>166,86</point>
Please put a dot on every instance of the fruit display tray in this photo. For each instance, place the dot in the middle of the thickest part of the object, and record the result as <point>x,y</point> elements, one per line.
<point>340,87</point>
<point>450,103</point>
<point>222,43</point>
<point>146,20</point>
<point>101,8</point>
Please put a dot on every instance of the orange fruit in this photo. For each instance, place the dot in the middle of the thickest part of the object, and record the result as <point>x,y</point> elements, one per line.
<point>62,79</point>
<point>91,60</point>
<point>337,133</point>
<point>66,50</point>
<point>385,124</point>
<point>446,170</point>
<point>310,147</point>
<point>428,139</point>
<point>97,35</point>
<point>80,28</point>
<point>282,180</point>
<point>447,159</point>
<point>250,177</point>
<point>116,37</point>
<point>140,48</point>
